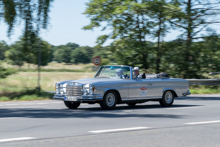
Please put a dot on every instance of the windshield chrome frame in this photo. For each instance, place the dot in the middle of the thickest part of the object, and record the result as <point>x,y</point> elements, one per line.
<point>131,73</point>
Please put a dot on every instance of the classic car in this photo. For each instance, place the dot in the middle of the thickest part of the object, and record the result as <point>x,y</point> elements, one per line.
<point>116,84</point>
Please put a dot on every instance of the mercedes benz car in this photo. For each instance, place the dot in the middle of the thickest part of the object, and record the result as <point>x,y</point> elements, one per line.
<point>117,84</point>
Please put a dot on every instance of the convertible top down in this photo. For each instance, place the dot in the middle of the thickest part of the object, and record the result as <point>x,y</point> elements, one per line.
<point>117,84</point>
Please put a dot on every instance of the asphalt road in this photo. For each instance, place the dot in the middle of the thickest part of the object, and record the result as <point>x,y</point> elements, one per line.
<point>191,121</point>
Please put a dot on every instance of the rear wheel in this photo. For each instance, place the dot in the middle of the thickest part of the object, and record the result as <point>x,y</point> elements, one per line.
<point>109,101</point>
<point>167,99</point>
<point>72,105</point>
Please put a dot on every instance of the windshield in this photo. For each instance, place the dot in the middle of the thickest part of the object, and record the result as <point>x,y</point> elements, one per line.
<point>114,72</point>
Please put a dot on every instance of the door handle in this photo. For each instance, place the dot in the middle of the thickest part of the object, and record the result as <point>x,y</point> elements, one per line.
<point>150,84</point>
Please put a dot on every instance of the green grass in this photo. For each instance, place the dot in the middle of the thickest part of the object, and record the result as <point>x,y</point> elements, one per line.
<point>201,89</point>
<point>51,70</point>
<point>28,80</point>
<point>26,95</point>
<point>22,86</point>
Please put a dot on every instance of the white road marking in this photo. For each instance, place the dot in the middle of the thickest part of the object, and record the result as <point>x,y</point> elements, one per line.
<point>11,104</point>
<point>16,139</point>
<point>118,130</point>
<point>205,122</point>
<point>40,103</point>
<point>9,118</point>
<point>56,102</point>
<point>185,107</point>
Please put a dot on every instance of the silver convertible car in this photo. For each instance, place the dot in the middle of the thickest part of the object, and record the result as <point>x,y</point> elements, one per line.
<point>109,88</point>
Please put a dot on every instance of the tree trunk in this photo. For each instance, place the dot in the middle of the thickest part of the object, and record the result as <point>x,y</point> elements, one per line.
<point>158,58</point>
<point>188,42</point>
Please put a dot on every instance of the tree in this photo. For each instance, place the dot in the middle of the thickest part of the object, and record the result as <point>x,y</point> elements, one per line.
<point>160,12</point>
<point>82,55</point>
<point>45,48</point>
<point>17,56</point>
<point>62,53</point>
<point>128,20</point>
<point>195,16</point>
<point>3,47</point>
<point>5,72</point>
<point>33,13</point>
<point>127,53</point>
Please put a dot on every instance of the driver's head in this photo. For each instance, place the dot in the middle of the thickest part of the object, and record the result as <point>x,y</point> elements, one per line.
<point>136,71</point>
<point>119,72</point>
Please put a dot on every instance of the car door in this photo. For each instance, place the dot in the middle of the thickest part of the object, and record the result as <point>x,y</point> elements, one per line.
<point>140,89</point>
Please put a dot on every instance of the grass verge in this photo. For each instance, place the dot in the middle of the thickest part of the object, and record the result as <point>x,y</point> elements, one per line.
<point>26,95</point>
<point>201,89</point>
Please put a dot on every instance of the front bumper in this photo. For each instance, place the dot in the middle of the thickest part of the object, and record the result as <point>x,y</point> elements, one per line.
<point>82,98</point>
<point>186,93</point>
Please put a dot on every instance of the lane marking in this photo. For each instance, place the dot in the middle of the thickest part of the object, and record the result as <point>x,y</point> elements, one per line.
<point>11,104</point>
<point>185,108</point>
<point>56,102</point>
<point>40,103</point>
<point>9,118</point>
<point>118,130</point>
<point>16,139</point>
<point>205,122</point>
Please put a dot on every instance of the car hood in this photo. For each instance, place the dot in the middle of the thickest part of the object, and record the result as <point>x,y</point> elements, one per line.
<point>90,81</point>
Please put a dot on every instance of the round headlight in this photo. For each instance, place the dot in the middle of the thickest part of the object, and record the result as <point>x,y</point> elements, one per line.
<point>85,92</point>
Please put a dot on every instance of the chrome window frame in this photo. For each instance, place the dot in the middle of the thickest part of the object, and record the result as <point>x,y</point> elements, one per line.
<point>131,73</point>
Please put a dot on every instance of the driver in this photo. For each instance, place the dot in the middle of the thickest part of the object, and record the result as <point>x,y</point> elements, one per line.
<point>136,73</point>
<point>119,73</point>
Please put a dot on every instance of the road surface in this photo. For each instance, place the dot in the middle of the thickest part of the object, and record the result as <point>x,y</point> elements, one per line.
<point>191,121</point>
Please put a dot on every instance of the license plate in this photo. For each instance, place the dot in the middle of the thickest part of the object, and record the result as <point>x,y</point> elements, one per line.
<point>71,98</point>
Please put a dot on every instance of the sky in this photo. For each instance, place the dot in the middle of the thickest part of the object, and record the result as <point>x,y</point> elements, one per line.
<point>66,23</point>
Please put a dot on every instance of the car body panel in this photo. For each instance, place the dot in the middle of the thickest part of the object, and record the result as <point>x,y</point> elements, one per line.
<point>128,89</point>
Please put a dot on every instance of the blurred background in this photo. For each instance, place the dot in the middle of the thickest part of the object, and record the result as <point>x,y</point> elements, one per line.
<point>46,41</point>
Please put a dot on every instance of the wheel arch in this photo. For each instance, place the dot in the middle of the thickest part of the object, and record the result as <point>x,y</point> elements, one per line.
<point>117,92</point>
<point>170,89</point>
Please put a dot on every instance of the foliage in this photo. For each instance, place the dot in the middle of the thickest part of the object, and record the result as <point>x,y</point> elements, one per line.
<point>30,94</point>
<point>5,72</point>
<point>62,53</point>
<point>3,48</point>
<point>34,15</point>
<point>194,17</point>
<point>132,21</point>
<point>82,55</point>
<point>16,55</point>
<point>127,52</point>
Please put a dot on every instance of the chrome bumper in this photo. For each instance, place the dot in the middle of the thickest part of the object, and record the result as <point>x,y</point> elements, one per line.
<point>82,98</point>
<point>58,97</point>
<point>186,93</point>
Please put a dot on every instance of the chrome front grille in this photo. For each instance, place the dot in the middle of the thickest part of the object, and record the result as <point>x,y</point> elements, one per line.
<point>74,90</point>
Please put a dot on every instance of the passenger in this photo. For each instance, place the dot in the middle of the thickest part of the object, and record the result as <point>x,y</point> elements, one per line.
<point>119,73</point>
<point>136,74</point>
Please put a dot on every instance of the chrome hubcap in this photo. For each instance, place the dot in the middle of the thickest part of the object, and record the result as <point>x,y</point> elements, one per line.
<point>110,99</point>
<point>168,97</point>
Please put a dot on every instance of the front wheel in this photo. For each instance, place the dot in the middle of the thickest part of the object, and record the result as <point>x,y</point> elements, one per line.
<point>109,101</point>
<point>72,105</point>
<point>167,99</point>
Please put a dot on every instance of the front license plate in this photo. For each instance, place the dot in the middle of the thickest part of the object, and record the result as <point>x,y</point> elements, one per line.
<point>71,98</point>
